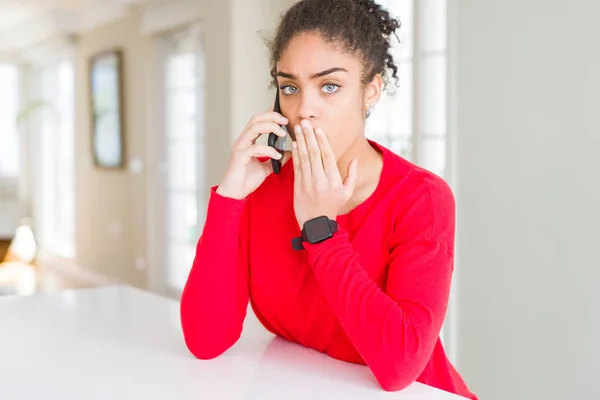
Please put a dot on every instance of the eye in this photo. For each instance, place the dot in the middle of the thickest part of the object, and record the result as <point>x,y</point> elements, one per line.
<point>330,88</point>
<point>287,90</point>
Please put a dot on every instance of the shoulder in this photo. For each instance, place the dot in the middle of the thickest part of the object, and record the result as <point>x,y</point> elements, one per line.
<point>413,179</point>
<point>423,202</point>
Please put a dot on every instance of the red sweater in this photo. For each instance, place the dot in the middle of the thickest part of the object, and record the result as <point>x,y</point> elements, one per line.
<point>376,293</point>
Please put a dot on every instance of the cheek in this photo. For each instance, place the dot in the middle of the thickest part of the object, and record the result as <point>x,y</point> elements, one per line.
<point>349,110</point>
<point>344,124</point>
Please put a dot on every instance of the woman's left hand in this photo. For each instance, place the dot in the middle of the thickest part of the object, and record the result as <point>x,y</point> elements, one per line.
<point>318,186</point>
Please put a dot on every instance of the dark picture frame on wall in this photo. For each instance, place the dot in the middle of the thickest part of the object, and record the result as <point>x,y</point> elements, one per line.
<point>107,110</point>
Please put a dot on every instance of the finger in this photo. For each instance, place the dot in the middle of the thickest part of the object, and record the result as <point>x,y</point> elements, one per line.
<point>268,116</point>
<point>253,132</point>
<point>268,167</point>
<point>297,168</point>
<point>303,156</point>
<point>350,181</point>
<point>327,157</point>
<point>258,150</point>
<point>314,152</point>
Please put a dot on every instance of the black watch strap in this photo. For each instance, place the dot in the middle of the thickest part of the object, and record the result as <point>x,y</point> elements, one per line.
<point>297,242</point>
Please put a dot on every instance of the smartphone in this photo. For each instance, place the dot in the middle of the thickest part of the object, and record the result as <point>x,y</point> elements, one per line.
<point>275,141</point>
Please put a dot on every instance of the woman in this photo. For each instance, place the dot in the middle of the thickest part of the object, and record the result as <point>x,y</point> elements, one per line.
<point>375,290</point>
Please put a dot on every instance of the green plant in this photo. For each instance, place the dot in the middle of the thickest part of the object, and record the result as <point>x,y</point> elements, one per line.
<point>29,109</point>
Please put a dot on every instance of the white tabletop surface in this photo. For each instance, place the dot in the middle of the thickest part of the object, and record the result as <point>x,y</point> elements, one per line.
<point>118,342</point>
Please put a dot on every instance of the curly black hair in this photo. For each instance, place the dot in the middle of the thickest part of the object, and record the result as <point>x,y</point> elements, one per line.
<point>360,27</point>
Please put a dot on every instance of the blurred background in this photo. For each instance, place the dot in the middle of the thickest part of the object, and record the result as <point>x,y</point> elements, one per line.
<point>116,117</point>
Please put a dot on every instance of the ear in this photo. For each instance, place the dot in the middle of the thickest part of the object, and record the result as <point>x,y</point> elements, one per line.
<point>372,92</point>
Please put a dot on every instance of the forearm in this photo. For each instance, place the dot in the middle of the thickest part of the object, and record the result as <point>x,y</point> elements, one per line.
<point>395,338</point>
<point>215,297</point>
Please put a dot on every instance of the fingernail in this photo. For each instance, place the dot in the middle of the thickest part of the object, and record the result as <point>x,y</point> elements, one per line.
<point>319,131</point>
<point>305,123</point>
<point>298,130</point>
<point>294,145</point>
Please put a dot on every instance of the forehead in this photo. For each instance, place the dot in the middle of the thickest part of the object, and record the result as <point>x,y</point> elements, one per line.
<point>308,53</point>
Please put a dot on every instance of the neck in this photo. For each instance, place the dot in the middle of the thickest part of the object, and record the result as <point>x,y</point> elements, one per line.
<point>364,153</point>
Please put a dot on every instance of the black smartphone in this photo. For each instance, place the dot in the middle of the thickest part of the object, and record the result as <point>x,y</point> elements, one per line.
<point>275,141</point>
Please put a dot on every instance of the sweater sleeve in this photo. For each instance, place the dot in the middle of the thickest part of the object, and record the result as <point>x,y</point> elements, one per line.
<point>395,329</point>
<point>215,297</point>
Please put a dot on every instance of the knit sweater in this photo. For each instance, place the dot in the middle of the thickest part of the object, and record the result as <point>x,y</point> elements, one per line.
<point>376,293</point>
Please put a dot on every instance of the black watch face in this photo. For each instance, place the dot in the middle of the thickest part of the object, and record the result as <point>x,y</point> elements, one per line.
<point>317,230</point>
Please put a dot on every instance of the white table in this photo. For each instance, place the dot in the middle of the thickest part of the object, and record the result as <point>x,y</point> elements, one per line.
<point>119,342</point>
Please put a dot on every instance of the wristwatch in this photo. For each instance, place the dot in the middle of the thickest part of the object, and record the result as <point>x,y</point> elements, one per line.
<point>315,230</point>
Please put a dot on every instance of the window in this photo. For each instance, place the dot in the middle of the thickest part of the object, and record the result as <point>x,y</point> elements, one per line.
<point>9,104</point>
<point>56,164</point>
<point>413,122</point>
<point>184,146</point>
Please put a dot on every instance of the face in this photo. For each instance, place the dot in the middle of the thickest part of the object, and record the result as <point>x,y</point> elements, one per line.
<point>321,83</point>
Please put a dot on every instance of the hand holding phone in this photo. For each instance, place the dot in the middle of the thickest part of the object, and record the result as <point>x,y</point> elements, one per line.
<point>247,168</point>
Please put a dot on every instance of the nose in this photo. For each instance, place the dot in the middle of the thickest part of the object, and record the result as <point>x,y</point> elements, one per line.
<point>307,109</point>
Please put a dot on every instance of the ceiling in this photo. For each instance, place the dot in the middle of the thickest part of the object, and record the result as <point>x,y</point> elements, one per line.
<point>24,23</point>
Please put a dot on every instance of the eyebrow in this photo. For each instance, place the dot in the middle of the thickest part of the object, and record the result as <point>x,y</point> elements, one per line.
<point>313,76</point>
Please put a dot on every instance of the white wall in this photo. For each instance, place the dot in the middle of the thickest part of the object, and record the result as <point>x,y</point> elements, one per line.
<point>529,198</point>
<point>111,204</point>
<point>236,62</point>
